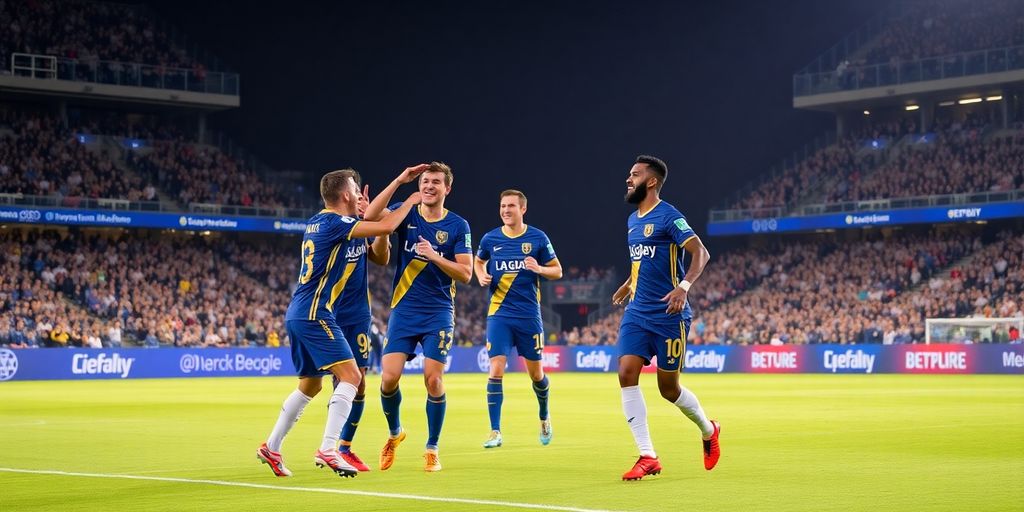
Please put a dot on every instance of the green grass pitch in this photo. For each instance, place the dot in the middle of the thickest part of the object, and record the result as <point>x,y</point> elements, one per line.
<point>790,442</point>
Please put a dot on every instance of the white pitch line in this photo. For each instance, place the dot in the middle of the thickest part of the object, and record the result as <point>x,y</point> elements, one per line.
<point>225,483</point>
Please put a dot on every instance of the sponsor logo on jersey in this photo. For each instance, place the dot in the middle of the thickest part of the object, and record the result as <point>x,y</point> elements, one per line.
<point>681,224</point>
<point>638,251</point>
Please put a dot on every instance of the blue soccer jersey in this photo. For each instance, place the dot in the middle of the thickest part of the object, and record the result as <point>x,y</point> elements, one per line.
<point>324,248</point>
<point>350,295</point>
<point>418,286</point>
<point>514,291</point>
<point>656,261</point>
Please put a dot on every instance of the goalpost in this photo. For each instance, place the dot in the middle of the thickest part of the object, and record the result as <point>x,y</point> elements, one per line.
<point>972,330</point>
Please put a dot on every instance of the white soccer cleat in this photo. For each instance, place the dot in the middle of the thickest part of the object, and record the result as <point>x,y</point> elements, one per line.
<point>494,441</point>
<point>545,432</point>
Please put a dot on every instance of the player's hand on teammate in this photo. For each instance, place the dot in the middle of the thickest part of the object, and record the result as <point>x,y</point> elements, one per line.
<point>410,174</point>
<point>620,295</point>
<point>364,201</point>
<point>676,300</point>
<point>423,248</point>
<point>532,265</point>
<point>483,278</point>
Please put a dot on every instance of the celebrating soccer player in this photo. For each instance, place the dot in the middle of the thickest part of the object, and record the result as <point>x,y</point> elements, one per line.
<point>511,260</point>
<point>350,302</point>
<point>658,315</point>
<point>435,251</point>
<point>318,345</point>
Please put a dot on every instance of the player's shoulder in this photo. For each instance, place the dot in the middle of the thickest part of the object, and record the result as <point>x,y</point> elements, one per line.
<point>493,234</point>
<point>453,219</point>
<point>535,232</point>
<point>668,209</point>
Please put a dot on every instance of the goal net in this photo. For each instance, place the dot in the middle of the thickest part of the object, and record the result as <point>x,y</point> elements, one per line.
<point>973,330</point>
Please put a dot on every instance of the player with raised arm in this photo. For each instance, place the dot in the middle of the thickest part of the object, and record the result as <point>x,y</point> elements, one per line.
<point>657,318</point>
<point>435,251</point>
<point>511,260</point>
<point>350,301</point>
<point>317,344</point>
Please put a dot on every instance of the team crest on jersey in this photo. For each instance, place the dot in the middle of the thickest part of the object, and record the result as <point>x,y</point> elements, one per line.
<point>648,229</point>
<point>441,236</point>
<point>527,247</point>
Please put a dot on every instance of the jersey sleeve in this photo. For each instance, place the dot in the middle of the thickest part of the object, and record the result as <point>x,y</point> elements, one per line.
<point>339,228</point>
<point>678,229</point>
<point>547,251</point>
<point>463,239</point>
<point>484,250</point>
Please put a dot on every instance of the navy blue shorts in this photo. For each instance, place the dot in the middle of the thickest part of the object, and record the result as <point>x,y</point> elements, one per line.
<point>645,338</point>
<point>525,334</point>
<point>434,331</point>
<point>316,346</point>
<point>358,337</point>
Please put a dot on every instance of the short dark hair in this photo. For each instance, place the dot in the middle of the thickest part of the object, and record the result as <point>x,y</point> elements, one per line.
<point>657,165</point>
<point>332,184</point>
<point>442,168</point>
<point>516,193</point>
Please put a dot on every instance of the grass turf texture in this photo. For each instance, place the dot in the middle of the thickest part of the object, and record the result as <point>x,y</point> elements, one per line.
<point>790,442</point>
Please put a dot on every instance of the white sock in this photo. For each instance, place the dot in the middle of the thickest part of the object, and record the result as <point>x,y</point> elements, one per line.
<point>687,402</point>
<point>337,414</point>
<point>291,411</point>
<point>635,408</point>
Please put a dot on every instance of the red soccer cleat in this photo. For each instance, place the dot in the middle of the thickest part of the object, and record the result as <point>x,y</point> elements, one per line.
<point>644,466</point>
<point>331,460</point>
<point>272,459</point>
<point>354,460</point>
<point>712,450</point>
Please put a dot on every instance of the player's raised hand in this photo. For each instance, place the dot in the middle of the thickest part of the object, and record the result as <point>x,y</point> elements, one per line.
<point>620,295</point>
<point>423,248</point>
<point>532,265</point>
<point>676,300</point>
<point>483,278</point>
<point>364,201</point>
<point>410,174</point>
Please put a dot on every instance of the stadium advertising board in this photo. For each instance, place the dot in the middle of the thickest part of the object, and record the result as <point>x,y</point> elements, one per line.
<point>945,214</point>
<point>129,363</point>
<point>121,219</point>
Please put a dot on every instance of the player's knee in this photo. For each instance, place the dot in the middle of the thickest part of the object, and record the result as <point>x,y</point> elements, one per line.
<point>361,389</point>
<point>536,374</point>
<point>389,380</point>
<point>628,378</point>
<point>310,387</point>
<point>669,392</point>
<point>434,384</point>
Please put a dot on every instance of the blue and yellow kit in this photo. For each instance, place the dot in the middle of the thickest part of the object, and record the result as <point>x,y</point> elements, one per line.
<point>423,302</point>
<point>513,315</point>
<point>316,340</point>
<point>351,301</point>
<point>656,240</point>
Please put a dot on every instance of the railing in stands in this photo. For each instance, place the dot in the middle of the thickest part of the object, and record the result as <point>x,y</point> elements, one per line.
<point>854,77</point>
<point>123,73</point>
<point>150,206</point>
<point>872,205</point>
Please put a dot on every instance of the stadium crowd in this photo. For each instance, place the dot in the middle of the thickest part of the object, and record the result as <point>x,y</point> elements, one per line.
<point>88,32</point>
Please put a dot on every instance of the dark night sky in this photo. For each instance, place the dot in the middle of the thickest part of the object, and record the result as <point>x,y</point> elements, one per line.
<point>553,98</point>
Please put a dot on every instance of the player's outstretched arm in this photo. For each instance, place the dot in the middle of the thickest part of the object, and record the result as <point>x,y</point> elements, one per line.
<point>460,270</point>
<point>551,271</point>
<point>699,257</point>
<point>390,222</point>
<point>482,277</point>
<point>380,251</point>
<point>376,208</point>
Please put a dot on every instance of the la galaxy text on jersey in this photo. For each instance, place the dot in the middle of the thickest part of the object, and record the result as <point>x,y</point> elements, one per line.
<point>514,291</point>
<point>325,243</point>
<point>656,259</point>
<point>419,286</point>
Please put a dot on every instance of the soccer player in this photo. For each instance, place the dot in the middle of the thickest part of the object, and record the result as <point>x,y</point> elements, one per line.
<point>435,251</point>
<point>658,316</point>
<point>350,301</point>
<point>318,345</point>
<point>511,260</point>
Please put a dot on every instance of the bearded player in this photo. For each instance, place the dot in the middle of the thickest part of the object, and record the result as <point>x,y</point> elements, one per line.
<point>657,317</point>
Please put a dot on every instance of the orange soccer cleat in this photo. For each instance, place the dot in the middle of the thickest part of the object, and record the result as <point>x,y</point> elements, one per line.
<point>644,466</point>
<point>387,455</point>
<point>712,450</point>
